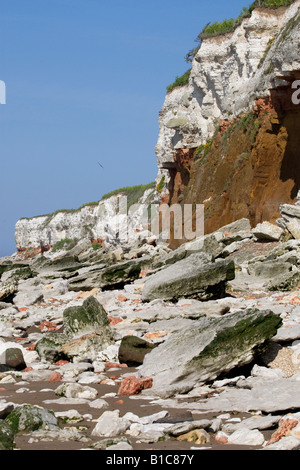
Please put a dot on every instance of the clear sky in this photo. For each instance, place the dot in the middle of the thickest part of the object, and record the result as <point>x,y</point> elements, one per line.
<point>85,81</point>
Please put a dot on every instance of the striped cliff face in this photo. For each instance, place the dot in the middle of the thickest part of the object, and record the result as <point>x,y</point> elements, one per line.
<point>228,139</point>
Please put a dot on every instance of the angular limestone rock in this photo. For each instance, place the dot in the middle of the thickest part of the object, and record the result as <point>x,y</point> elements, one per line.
<point>14,359</point>
<point>193,276</point>
<point>85,319</point>
<point>86,332</point>
<point>87,347</point>
<point>48,347</point>
<point>213,346</point>
<point>26,418</point>
<point>110,425</point>
<point>268,231</point>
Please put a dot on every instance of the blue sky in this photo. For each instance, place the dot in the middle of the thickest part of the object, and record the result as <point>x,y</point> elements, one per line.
<point>85,81</point>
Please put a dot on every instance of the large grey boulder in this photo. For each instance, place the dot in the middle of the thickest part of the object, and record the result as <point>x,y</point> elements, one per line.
<point>8,289</point>
<point>236,226</point>
<point>14,359</point>
<point>198,275</point>
<point>109,276</point>
<point>268,231</point>
<point>290,220</point>
<point>29,293</point>
<point>208,244</point>
<point>86,332</point>
<point>28,418</point>
<point>276,274</point>
<point>89,317</point>
<point>202,352</point>
<point>267,396</point>
<point>49,347</point>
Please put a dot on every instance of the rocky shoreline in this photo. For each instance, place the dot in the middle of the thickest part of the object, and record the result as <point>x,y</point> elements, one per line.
<point>195,348</point>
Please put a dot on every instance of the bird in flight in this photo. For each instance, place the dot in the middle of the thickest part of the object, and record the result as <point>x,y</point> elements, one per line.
<point>100,165</point>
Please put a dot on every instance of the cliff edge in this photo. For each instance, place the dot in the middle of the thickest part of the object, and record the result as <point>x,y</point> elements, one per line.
<point>228,137</point>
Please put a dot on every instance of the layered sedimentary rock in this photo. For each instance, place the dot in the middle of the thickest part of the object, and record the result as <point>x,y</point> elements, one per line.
<point>193,355</point>
<point>235,122</point>
<point>110,221</point>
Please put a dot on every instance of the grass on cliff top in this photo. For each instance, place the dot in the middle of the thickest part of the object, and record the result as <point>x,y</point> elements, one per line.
<point>229,25</point>
<point>179,81</point>
<point>133,194</point>
<point>52,214</point>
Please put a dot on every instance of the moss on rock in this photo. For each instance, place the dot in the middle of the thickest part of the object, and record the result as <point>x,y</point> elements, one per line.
<point>27,418</point>
<point>6,436</point>
<point>89,317</point>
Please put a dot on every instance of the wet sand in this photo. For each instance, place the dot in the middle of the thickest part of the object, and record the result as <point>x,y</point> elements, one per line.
<point>39,392</point>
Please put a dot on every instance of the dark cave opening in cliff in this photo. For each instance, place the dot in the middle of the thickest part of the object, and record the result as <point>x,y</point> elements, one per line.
<point>289,119</point>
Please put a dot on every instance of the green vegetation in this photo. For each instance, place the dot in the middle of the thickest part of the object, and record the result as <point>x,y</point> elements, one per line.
<point>242,158</point>
<point>96,246</point>
<point>292,23</point>
<point>67,211</point>
<point>66,244</point>
<point>179,81</point>
<point>191,54</point>
<point>266,52</point>
<point>203,150</point>
<point>133,193</point>
<point>160,185</point>
<point>270,69</point>
<point>229,25</point>
<point>250,125</point>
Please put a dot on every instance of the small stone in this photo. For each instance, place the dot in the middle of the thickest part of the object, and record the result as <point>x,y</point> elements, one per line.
<point>133,386</point>
<point>110,365</point>
<point>74,390</point>
<point>153,335</point>
<point>14,359</point>
<point>247,437</point>
<point>221,438</point>
<point>48,326</point>
<point>198,436</point>
<point>98,404</point>
<point>110,425</point>
<point>55,377</point>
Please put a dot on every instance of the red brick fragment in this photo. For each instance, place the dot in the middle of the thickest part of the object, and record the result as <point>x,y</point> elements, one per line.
<point>285,426</point>
<point>133,386</point>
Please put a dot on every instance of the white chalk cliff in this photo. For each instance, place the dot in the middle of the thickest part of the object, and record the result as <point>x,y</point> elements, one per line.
<point>229,72</point>
<point>107,222</point>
